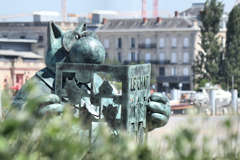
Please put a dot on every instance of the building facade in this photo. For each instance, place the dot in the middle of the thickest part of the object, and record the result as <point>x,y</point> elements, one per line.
<point>31,31</point>
<point>169,44</point>
<point>18,62</point>
<point>16,71</point>
<point>22,49</point>
<point>26,30</point>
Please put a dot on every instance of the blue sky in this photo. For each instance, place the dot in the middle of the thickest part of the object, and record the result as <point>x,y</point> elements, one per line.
<point>12,7</point>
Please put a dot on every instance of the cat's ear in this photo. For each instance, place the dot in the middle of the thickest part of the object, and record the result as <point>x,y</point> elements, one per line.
<point>68,40</point>
<point>54,32</point>
<point>81,28</point>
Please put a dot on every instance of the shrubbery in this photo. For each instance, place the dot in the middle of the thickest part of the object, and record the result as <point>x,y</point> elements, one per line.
<point>27,135</point>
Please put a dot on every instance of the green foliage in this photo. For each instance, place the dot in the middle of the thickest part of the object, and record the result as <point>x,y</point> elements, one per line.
<point>211,16</point>
<point>232,56</point>
<point>208,63</point>
<point>6,97</point>
<point>24,135</point>
<point>184,146</point>
<point>233,26</point>
<point>202,83</point>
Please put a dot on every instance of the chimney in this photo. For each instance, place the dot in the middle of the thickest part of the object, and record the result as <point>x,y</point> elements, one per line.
<point>145,20</point>
<point>104,21</point>
<point>176,14</point>
<point>159,19</point>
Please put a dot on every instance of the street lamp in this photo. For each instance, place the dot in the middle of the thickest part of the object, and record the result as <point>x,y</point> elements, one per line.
<point>180,86</point>
<point>166,85</point>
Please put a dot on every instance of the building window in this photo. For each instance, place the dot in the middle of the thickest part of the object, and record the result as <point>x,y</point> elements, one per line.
<point>106,43</point>
<point>186,42</point>
<point>120,57</point>
<point>133,56</point>
<point>161,71</point>
<point>129,57</point>
<point>19,79</point>
<point>40,38</point>
<point>22,37</point>
<point>119,43</point>
<point>147,57</point>
<point>106,56</point>
<point>132,42</point>
<point>174,42</point>
<point>174,58</point>
<point>148,42</point>
<point>161,43</point>
<point>186,57</point>
<point>161,57</point>
<point>174,71</point>
<point>186,71</point>
<point>138,56</point>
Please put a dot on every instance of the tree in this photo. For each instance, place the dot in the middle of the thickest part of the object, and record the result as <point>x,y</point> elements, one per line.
<point>232,56</point>
<point>207,63</point>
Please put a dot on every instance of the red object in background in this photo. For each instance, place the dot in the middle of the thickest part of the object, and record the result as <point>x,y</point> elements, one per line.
<point>19,82</point>
<point>144,8</point>
<point>16,87</point>
<point>152,91</point>
<point>155,8</point>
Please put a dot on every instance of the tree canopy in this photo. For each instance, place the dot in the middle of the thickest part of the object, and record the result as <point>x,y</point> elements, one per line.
<point>232,55</point>
<point>207,63</point>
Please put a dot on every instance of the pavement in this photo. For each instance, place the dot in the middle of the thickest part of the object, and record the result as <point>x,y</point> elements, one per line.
<point>211,126</point>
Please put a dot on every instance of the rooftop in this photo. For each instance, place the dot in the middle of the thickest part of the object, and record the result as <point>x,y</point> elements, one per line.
<point>25,55</point>
<point>105,12</point>
<point>33,24</point>
<point>47,13</point>
<point>18,40</point>
<point>194,11</point>
<point>146,23</point>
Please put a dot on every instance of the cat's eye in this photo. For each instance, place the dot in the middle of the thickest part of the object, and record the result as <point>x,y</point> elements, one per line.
<point>77,36</point>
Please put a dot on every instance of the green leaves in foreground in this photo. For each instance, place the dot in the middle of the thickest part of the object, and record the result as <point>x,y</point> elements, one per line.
<point>25,135</point>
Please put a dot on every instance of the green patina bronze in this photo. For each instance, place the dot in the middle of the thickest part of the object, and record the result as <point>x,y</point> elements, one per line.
<point>75,75</point>
<point>124,108</point>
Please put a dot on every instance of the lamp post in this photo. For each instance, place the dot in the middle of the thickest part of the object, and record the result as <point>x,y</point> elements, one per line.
<point>166,86</point>
<point>180,86</point>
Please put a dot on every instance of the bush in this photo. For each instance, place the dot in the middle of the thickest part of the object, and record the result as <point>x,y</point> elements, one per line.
<point>24,135</point>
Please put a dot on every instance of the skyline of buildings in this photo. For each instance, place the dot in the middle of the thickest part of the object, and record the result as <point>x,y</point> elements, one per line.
<point>169,44</point>
<point>23,10</point>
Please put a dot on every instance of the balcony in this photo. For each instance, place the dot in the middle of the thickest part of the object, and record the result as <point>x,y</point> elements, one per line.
<point>126,62</point>
<point>174,79</point>
<point>161,62</point>
<point>147,46</point>
<point>152,62</point>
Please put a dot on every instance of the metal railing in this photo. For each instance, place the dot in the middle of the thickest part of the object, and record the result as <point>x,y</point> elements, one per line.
<point>147,46</point>
<point>174,79</point>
